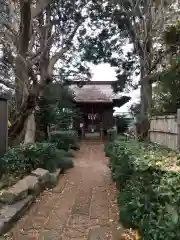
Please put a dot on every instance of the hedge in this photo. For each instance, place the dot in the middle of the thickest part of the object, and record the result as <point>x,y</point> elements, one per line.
<point>23,159</point>
<point>148,179</point>
<point>65,140</point>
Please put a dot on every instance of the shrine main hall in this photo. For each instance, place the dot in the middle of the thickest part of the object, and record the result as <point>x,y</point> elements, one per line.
<point>96,101</point>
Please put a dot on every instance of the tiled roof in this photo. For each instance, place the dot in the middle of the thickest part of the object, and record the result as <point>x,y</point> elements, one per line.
<point>93,93</point>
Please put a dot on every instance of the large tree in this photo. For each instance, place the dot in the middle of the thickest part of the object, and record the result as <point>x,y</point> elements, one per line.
<point>41,34</point>
<point>166,92</point>
<point>142,23</point>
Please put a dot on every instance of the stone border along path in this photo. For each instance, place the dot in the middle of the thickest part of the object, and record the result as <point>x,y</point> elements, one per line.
<point>81,206</point>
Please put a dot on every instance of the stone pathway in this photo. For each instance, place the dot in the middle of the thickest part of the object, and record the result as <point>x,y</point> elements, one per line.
<point>81,206</point>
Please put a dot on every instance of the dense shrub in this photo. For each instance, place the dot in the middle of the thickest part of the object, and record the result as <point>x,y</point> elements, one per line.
<point>65,140</point>
<point>55,107</point>
<point>25,158</point>
<point>148,180</point>
<point>69,154</point>
<point>111,133</point>
<point>122,124</point>
<point>109,149</point>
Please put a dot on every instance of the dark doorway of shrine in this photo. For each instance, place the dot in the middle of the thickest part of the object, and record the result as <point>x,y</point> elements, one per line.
<point>96,119</point>
<point>92,119</point>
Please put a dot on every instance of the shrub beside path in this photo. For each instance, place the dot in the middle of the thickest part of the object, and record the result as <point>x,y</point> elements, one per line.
<point>81,206</point>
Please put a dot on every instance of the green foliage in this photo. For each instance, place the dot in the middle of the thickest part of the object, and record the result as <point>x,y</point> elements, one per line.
<point>122,124</point>
<point>166,93</point>
<point>111,133</point>
<point>106,44</point>
<point>65,140</point>
<point>172,36</point>
<point>56,108</point>
<point>69,154</point>
<point>135,109</point>
<point>25,158</point>
<point>149,192</point>
<point>109,148</point>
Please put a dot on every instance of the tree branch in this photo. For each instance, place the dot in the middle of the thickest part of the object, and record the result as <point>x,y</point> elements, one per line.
<point>68,44</point>
<point>9,38</point>
<point>10,32</point>
<point>158,60</point>
<point>25,27</point>
<point>131,29</point>
<point>153,77</point>
<point>7,84</point>
<point>32,40</point>
<point>40,6</point>
<point>9,27</point>
<point>40,54</point>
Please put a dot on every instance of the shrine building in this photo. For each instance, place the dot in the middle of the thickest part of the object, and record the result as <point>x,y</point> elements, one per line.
<point>96,102</point>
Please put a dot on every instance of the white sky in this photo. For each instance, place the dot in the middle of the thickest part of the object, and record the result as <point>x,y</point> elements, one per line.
<point>104,72</point>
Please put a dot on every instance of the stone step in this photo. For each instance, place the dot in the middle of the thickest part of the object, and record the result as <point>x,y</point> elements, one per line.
<point>111,233</point>
<point>19,190</point>
<point>102,233</point>
<point>10,213</point>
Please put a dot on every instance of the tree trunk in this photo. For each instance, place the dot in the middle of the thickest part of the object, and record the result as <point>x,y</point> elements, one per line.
<point>24,100</point>
<point>146,98</point>
<point>46,64</point>
<point>30,129</point>
<point>26,109</point>
<point>146,101</point>
<point>21,69</point>
<point>21,81</point>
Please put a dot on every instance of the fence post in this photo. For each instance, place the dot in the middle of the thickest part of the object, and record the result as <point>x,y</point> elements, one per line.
<point>178,129</point>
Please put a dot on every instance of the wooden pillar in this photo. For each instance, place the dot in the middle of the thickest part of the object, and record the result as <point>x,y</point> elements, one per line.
<point>3,125</point>
<point>101,130</point>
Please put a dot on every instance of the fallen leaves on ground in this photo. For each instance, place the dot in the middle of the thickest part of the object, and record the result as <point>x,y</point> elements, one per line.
<point>131,235</point>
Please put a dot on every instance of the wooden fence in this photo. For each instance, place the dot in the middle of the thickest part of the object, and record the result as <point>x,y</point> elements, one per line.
<point>165,130</point>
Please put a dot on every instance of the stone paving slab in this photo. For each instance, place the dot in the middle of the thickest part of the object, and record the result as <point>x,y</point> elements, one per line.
<point>8,214</point>
<point>42,174</point>
<point>81,206</point>
<point>20,190</point>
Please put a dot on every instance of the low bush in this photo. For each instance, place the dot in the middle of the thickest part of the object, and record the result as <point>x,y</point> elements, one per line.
<point>65,140</point>
<point>25,158</point>
<point>122,124</point>
<point>109,149</point>
<point>69,154</point>
<point>111,133</point>
<point>148,179</point>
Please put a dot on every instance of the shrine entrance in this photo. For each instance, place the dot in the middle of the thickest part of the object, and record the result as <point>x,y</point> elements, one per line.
<point>95,119</point>
<point>92,121</point>
<point>95,101</point>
